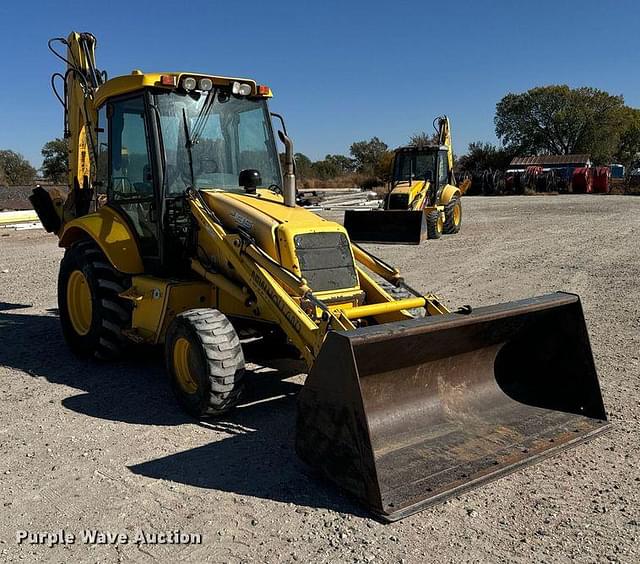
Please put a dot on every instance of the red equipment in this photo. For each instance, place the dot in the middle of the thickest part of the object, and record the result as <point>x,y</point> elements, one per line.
<point>582,180</point>
<point>601,175</point>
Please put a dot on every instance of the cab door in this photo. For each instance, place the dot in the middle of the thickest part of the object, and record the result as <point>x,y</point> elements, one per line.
<point>443,175</point>
<point>131,187</point>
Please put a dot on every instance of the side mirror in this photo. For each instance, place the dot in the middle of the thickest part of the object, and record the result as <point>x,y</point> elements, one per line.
<point>249,179</point>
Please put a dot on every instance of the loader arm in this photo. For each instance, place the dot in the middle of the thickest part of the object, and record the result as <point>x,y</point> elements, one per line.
<point>285,298</point>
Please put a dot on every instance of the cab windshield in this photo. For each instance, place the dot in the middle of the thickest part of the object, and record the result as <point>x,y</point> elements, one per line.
<point>414,166</point>
<point>233,134</point>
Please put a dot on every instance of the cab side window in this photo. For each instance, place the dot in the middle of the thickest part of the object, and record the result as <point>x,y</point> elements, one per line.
<point>130,174</point>
<point>102,166</point>
<point>130,186</point>
<point>443,174</point>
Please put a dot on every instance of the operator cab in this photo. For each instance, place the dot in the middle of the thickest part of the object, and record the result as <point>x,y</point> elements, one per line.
<point>425,163</point>
<point>175,133</point>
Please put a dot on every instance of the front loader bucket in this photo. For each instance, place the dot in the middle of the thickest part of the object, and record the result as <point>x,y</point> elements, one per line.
<point>385,226</point>
<point>404,415</point>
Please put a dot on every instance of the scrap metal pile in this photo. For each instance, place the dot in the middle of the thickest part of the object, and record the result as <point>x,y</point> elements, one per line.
<point>338,199</point>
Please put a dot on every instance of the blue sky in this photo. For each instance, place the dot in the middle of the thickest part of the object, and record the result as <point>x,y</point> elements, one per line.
<point>340,71</point>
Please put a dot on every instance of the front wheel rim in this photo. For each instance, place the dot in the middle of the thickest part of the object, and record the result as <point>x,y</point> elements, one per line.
<point>79,303</point>
<point>181,366</point>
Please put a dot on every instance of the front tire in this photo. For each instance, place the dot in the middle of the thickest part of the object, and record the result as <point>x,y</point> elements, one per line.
<point>92,314</point>
<point>435,225</point>
<point>453,216</point>
<point>205,362</point>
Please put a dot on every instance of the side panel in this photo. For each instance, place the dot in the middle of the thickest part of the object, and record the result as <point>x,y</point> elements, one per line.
<point>113,235</point>
<point>157,301</point>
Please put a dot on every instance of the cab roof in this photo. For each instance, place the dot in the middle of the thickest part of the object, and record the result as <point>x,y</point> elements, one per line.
<point>425,148</point>
<point>138,80</point>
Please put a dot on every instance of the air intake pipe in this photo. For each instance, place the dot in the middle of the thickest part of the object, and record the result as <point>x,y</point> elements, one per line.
<point>289,178</point>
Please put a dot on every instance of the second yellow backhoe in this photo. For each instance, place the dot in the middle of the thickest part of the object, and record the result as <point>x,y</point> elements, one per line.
<point>181,230</point>
<point>423,199</point>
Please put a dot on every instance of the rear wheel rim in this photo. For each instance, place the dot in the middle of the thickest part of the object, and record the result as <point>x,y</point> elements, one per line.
<point>181,366</point>
<point>79,303</point>
<point>440,223</point>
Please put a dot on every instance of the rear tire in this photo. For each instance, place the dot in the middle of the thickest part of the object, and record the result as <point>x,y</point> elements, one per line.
<point>205,362</point>
<point>453,216</point>
<point>92,314</point>
<point>434,225</point>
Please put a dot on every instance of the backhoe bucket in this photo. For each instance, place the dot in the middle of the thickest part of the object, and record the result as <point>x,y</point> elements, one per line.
<point>386,226</point>
<point>404,415</point>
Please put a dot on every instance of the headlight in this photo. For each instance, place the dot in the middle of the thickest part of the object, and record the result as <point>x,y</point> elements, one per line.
<point>241,89</point>
<point>189,83</point>
<point>205,84</point>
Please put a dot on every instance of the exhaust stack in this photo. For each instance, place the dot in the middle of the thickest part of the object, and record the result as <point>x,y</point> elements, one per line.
<point>289,179</point>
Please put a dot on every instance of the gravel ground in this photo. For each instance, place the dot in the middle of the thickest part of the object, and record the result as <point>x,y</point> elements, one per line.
<point>89,446</point>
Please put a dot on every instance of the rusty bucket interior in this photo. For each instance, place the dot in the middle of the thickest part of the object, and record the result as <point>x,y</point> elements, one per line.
<point>405,415</point>
<point>386,226</point>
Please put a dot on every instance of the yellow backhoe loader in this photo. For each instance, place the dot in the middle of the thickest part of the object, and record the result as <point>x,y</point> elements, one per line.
<point>423,198</point>
<point>180,229</point>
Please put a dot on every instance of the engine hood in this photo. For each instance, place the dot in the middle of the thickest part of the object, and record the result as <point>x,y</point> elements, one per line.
<point>270,222</point>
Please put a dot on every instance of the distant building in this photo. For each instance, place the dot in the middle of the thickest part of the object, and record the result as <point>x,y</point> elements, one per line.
<point>549,162</point>
<point>617,170</point>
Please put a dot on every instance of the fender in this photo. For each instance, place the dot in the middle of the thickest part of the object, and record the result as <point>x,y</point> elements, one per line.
<point>448,193</point>
<point>111,233</point>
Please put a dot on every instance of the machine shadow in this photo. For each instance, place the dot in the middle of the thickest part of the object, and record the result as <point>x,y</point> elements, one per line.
<point>132,390</point>
<point>6,306</point>
<point>256,454</point>
<point>256,458</point>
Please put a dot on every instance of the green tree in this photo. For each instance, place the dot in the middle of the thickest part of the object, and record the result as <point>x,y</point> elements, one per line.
<point>382,169</point>
<point>423,138</point>
<point>484,156</point>
<point>324,170</point>
<point>55,160</point>
<point>303,165</point>
<point>628,151</point>
<point>560,120</point>
<point>344,164</point>
<point>368,154</point>
<point>15,169</point>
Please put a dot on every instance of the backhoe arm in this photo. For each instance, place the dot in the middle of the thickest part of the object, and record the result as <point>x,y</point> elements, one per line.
<point>444,138</point>
<point>81,80</point>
